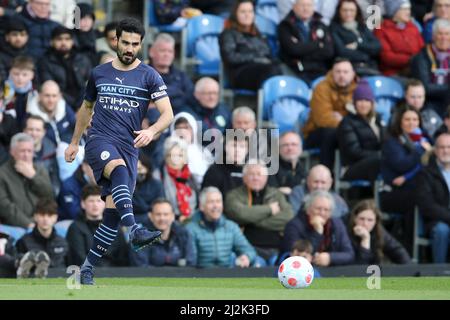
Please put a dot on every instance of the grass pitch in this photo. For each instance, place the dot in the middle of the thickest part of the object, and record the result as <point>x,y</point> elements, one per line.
<point>225,289</point>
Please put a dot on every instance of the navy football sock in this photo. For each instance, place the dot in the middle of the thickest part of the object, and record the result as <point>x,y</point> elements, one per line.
<point>103,237</point>
<point>122,197</point>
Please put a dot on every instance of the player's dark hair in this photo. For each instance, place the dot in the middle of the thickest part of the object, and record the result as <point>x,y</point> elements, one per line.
<point>130,25</point>
<point>46,206</point>
<point>160,201</point>
<point>90,190</point>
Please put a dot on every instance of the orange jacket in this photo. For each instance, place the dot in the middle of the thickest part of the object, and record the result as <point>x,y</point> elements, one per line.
<point>328,98</point>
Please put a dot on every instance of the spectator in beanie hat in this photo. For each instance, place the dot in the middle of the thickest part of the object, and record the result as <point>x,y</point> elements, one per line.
<point>360,135</point>
<point>391,7</point>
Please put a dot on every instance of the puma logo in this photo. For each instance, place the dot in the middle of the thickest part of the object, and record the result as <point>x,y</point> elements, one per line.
<point>120,80</point>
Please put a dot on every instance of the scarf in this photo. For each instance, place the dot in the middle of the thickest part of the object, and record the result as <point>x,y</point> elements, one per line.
<point>440,64</point>
<point>439,59</point>
<point>442,56</point>
<point>184,192</point>
<point>14,89</point>
<point>353,27</point>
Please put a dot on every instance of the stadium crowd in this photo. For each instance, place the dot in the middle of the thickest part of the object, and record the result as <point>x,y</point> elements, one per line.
<point>221,207</point>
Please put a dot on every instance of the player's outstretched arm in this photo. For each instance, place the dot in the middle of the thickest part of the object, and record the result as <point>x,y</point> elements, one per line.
<point>84,116</point>
<point>144,137</point>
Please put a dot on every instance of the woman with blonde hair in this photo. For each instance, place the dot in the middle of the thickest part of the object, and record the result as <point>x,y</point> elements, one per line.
<point>179,185</point>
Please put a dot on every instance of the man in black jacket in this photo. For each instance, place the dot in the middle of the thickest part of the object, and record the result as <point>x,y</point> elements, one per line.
<point>227,174</point>
<point>433,198</point>
<point>305,42</point>
<point>64,65</point>
<point>328,235</point>
<point>291,172</point>
<point>13,45</point>
<point>179,86</point>
<point>42,248</point>
<point>81,231</point>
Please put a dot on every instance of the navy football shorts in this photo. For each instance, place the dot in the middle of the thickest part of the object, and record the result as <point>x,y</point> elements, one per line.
<point>99,152</point>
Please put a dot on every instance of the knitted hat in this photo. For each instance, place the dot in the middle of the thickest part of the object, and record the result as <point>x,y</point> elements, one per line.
<point>363,92</point>
<point>392,6</point>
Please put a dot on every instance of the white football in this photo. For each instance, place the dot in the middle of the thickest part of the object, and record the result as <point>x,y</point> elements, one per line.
<point>295,273</point>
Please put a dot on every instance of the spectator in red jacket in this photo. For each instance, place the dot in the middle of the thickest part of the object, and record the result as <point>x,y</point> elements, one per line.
<point>400,39</point>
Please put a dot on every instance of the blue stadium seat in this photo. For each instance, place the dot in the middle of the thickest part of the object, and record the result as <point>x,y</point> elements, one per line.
<point>14,232</point>
<point>268,9</point>
<point>200,44</point>
<point>268,28</point>
<point>284,100</point>
<point>387,93</point>
<point>316,81</point>
<point>153,20</point>
<point>62,226</point>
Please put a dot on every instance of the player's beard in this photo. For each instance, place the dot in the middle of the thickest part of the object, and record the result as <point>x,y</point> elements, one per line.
<point>122,59</point>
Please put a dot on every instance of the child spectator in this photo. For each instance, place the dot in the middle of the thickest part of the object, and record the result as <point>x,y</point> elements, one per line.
<point>18,88</point>
<point>303,248</point>
<point>81,232</point>
<point>43,247</point>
